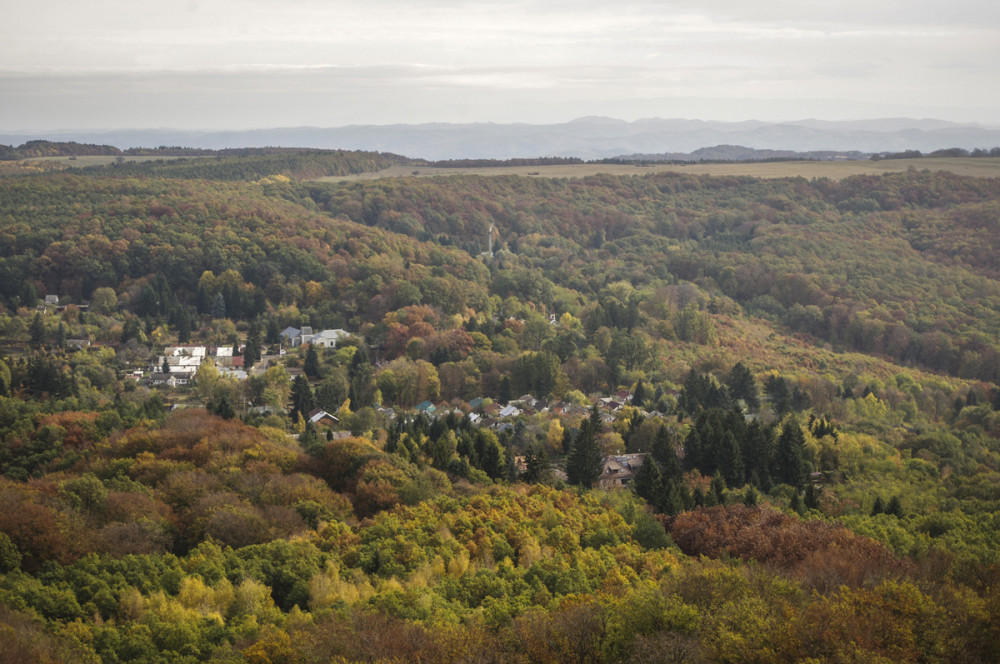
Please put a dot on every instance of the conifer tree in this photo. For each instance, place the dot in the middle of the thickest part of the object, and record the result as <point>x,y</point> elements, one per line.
<point>219,306</point>
<point>648,481</point>
<point>788,463</point>
<point>743,386</point>
<point>36,330</point>
<point>302,397</point>
<point>664,454</point>
<point>251,353</point>
<point>585,463</point>
<point>894,507</point>
<point>811,499</point>
<point>311,364</point>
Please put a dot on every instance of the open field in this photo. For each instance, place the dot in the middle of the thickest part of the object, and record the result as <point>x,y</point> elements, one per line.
<point>986,167</point>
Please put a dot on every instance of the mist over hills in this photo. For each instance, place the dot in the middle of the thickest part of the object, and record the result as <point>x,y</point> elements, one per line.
<point>586,138</point>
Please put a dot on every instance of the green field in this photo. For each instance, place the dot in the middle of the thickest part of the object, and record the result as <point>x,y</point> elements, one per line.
<point>778,169</point>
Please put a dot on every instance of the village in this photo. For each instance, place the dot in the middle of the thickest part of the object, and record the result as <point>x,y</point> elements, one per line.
<point>176,371</point>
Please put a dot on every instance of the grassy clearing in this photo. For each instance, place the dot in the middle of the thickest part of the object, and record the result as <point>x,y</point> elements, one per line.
<point>835,170</point>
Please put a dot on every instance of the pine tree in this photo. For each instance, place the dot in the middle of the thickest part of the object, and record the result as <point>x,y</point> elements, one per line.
<point>671,498</point>
<point>788,464</point>
<point>302,398</point>
<point>664,454</point>
<point>585,463</point>
<point>165,367</point>
<point>311,364</point>
<point>796,504</point>
<point>537,467</point>
<point>647,483</point>
<point>219,306</point>
<point>36,330</point>
<point>811,499</point>
<point>879,506</point>
<point>719,488</point>
<point>731,460</point>
<point>639,396</point>
<point>894,507</point>
<point>251,353</point>
<point>743,386</point>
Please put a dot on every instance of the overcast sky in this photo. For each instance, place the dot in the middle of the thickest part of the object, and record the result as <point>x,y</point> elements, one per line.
<point>238,64</point>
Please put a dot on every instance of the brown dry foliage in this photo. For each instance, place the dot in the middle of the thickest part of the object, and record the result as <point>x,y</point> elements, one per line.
<point>823,555</point>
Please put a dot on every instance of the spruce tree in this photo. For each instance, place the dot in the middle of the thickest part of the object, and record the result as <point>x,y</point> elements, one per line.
<point>585,463</point>
<point>302,398</point>
<point>311,364</point>
<point>36,330</point>
<point>731,460</point>
<point>251,353</point>
<point>788,463</point>
<point>718,486</point>
<point>743,386</point>
<point>811,499</point>
<point>647,481</point>
<point>219,306</point>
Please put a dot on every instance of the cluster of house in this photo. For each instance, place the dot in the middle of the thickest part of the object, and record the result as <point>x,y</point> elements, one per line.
<point>182,362</point>
<point>295,337</point>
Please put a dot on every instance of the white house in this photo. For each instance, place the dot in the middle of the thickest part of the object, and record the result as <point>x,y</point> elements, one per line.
<point>329,338</point>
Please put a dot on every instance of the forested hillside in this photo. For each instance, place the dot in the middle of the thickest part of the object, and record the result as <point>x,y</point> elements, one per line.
<point>797,379</point>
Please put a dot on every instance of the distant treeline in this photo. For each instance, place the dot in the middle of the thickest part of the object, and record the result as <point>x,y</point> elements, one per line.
<point>35,149</point>
<point>42,148</point>
<point>948,152</point>
<point>232,165</point>
<point>489,163</point>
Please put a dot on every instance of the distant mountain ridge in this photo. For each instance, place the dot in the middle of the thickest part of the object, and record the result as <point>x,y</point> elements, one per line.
<point>584,138</point>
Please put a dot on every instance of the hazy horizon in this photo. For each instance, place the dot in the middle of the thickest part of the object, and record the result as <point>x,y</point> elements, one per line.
<point>216,65</point>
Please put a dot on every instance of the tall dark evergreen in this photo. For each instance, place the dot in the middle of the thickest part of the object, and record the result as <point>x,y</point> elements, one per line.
<point>219,306</point>
<point>311,364</point>
<point>647,482</point>
<point>788,466</point>
<point>302,398</point>
<point>743,386</point>
<point>758,449</point>
<point>537,467</point>
<point>778,394</point>
<point>664,454</point>
<point>252,350</point>
<point>731,460</point>
<point>585,462</point>
<point>640,395</point>
<point>36,330</point>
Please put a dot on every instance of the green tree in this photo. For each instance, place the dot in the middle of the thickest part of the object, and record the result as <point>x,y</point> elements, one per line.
<point>311,364</point>
<point>647,483</point>
<point>303,401</point>
<point>788,462</point>
<point>252,350</point>
<point>36,330</point>
<point>742,385</point>
<point>585,462</point>
<point>219,306</point>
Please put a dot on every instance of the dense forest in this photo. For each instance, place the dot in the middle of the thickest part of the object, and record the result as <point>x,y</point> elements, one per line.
<point>803,371</point>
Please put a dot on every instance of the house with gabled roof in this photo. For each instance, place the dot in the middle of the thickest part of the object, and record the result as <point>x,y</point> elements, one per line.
<point>619,470</point>
<point>320,416</point>
<point>329,338</point>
